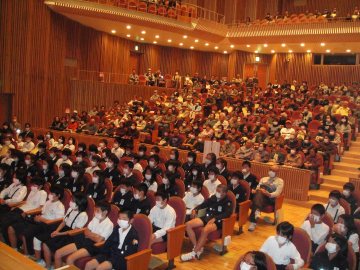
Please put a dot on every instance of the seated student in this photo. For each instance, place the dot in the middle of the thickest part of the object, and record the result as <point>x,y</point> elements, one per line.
<point>218,207</point>
<point>248,176</point>
<point>174,156</point>
<point>29,228</point>
<point>140,204</point>
<point>221,164</point>
<point>334,256</point>
<point>112,171</point>
<point>142,152</point>
<point>312,163</point>
<point>238,190</point>
<point>193,198</point>
<point>210,162</point>
<point>94,161</point>
<point>93,151</point>
<point>190,163</point>
<point>46,170</point>
<point>66,153</point>
<point>63,177</point>
<point>194,175</point>
<point>14,193</point>
<point>254,260</point>
<point>98,230</point>
<point>168,185</point>
<point>346,227</point>
<point>123,197</point>
<point>103,144</point>
<point>75,218</point>
<point>41,153</point>
<point>76,182</point>
<point>294,159</point>
<point>137,166</point>
<point>129,148</point>
<point>35,199</point>
<point>150,179</point>
<point>171,169</point>
<point>71,144</point>
<point>333,207</point>
<point>5,176</point>
<point>281,249</point>
<point>80,159</point>
<point>30,165</point>
<point>97,189</point>
<point>268,189</point>
<point>162,217</point>
<point>212,183</point>
<point>122,242</point>
<point>153,165</point>
<point>347,194</point>
<point>53,155</point>
<point>81,148</point>
<point>315,227</point>
<point>127,173</point>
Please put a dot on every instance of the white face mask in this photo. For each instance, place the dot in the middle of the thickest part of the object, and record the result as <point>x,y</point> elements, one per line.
<point>234,182</point>
<point>244,171</point>
<point>171,168</point>
<point>148,177</point>
<point>190,159</point>
<point>78,159</point>
<point>218,195</point>
<point>212,177</point>
<point>123,224</point>
<point>74,174</point>
<point>207,161</point>
<point>126,171</point>
<point>281,239</point>
<point>141,153</point>
<point>165,181</point>
<point>172,157</point>
<point>194,172</point>
<point>193,190</point>
<point>98,216</point>
<point>93,163</point>
<point>80,149</point>
<point>136,196</point>
<point>61,173</point>
<point>45,167</point>
<point>95,179</point>
<point>218,166</point>
<point>51,197</point>
<point>333,202</point>
<point>34,188</point>
<point>330,247</point>
<point>64,157</point>
<point>27,161</point>
<point>245,266</point>
<point>72,205</point>
<point>293,152</point>
<point>122,191</point>
<point>341,227</point>
<point>152,164</point>
<point>159,204</point>
<point>271,174</point>
<point>346,193</point>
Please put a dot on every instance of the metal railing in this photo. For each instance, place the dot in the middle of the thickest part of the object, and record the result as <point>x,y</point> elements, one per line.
<point>100,76</point>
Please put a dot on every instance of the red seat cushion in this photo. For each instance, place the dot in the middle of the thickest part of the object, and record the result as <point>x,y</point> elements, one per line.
<point>268,209</point>
<point>158,248</point>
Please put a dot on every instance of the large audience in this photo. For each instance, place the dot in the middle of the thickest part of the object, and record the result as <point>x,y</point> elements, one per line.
<point>289,124</point>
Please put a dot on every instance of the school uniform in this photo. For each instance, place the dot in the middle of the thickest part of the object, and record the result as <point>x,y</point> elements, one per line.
<point>192,201</point>
<point>317,234</point>
<point>123,201</point>
<point>46,174</point>
<point>91,170</point>
<point>188,167</point>
<point>118,246</point>
<point>12,194</point>
<point>75,185</point>
<point>61,161</point>
<point>141,207</point>
<point>156,171</point>
<point>31,170</point>
<point>151,186</point>
<point>41,156</point>
<point>224,172</point>
<point>61,181</point>
<point>321,260</point>
<point>96,191</point>
<point>217,209</point>
<point>240,194</point>
<point>190,178</point>
<point>334,212</point>
<point>171,190</point>
<point>7,160</point>
<point>352,201</point>
<point>4,182</point>
<point>113,175</point>
<point>162,219</point>
<point>211,186</point>
<point>251,179</point>
<point>131,178</point>
<point>119,152</point>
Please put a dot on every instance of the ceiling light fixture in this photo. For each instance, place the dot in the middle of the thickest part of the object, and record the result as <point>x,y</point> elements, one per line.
<point>192,47</point>
<point>348,51</point>
<point>256,52</point>
<point>113,31</point>
<point>302,44</point>
<point>206,44</point>
<point>283,45</point>
<point>216,47</point>
<point>322,44</point>
<point>265,45</point>
<point>128,27</point>
<point>328,51</point>
<point>154,41</point>
<point>181,44</point>
<point>157,36</point>
<point>196,40</point>
<point>308,51</point>
<point>248,46</point>
<point>128,35</point>
<point>169,40</point>
<point>232,46</point>
<point>290,51</point>
<point>272,51</point>
<point>142,39</point>
<point>225,52</point>
<point>143,32</point>
<point>185,36</point>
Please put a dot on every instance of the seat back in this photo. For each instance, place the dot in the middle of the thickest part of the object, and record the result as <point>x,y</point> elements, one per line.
<point>180,209</point>
<point>87,180</point>
<point>66,199</point>
<point>180,187</point>
<point>114,214</point>
<point>142,225</point>
<point>345,205</point>
<point>327,219</point>
<point>47,187</point>
<point>151,196</point>
<point>138,175</point>
<point>302,242</point>
<point>246,187</point>
<point>90,209</point>
<point>205,192</point>
<point>222,180</point>
<point>109,188</point>
<point>232,198</point>
<point>351,257</point>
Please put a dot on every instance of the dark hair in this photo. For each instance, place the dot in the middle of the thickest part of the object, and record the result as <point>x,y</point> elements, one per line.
<point>66,152</point>
<point>155,158</point>
<point>214,170</point>
<point>336,194</point>
<point>246,162</point>
<point>163,195</point>
<point>66,168</point>
<point>40,137</point>
<point>155,149</point>
<point>176,153</point>
<point>198,184</point>
<point>73,139</point>
<point>237,174</point>
<point>222,161</point>
<point>342,242</point>
<point>93,148</point>
<point>286,229</point>
<point>129,214</point>
<point>42,145</point>
<point>142,187</point>
<point>349,224</point>
<point>171,176</point>
<point>80,200</point>
<point>259,259</point>
<point>212,157</point>
<point>153,176</point>
<point>192,154</point>
<point>104,141</point>
<point>104,206</point>
<point>81,154</point>
<point>96,158</point>
<point>350,186</point>
<point>129,163</point>
<point>36,180</point>
<point>83,145</point>
<point>57,190</point>
<point>143,148</point>
<point>21,175</point>
<point>101,175</point>
<point>319,208</point>
<point>114,159</point>
<point>106,152</point>
<point>126,182</point>
<point>79,169</point>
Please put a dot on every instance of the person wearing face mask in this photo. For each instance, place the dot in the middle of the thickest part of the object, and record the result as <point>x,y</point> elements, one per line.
<point>153,165</point>
<point>122,242</point>
<point>29,228</point>
<point>348,195</point>
<point>326,148</point>
<point>59,144</point>
<point>27,131</point>
<point>218,207</point>
<point>261,154</point>
<point>94,161</point>
<point>142,152</point>
<point>150,179</point>
<point>46,170</point>
<point>268,189</point>
<point>77,181</point>
<point>93,151</point>
<point>174,156</point>
<point>236,188</point>
<point>128,173</point>
<point>112,172</point>
<point>212,182</point>
<point>168,185</point>
<point>346,227</point>
<point>333,255</point>
<point>49,139</point>
<point>30,166</point>
<point>35,200</point>
<point>281,249</point>
<point>63,177</point>
<point>41,153</point>
<point>253,260</point>
<point>162,217</point>
<point>81,148</point>
<point>70,144</point>
<point>333,207</point>
<point>53,155</point>
<point>28,145</point>
<point>81,159</point>
<point>82,245</point>
<point>294,159</point>
<point>123,195</point>
<point>171,168</point>
<point>227,149</point>
<point>140,204</point>
<point>248,176</point>
<point>190,163</point>
<point>96,189</point>
<point>75,218</point>
<point>221,165</point>
<point>315,227</point>
<point>65,154</point>
<point>246,151</point>
<point>193,198</point>
<point>210,162</point>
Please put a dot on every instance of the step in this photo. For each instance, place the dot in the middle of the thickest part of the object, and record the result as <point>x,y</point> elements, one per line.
<point>319,196</point>
<point>352,154</point>
<point>354,149</point>
<point>355,143</point>
<point>306,204</point>
<point>335,179</point>
<point>351,167</point>
<point>348,160</point>
<point>345,173</point>
<point>330,187</point>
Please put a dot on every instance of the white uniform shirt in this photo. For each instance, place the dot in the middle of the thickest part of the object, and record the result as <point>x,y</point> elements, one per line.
<point>104,228</point>
<point>34,200</point>
<point>7,160</point>
<point>61,161</point>
<point>152,187</point>
<point>71,147</point>
<point>28,147</point>
<point>317,234</point>
<point>90,170</point>
<point>162,218</point>
<point>14,193</point>
<point>334,212</point>
<point>354,240</point>
<point>138,167</point>
<point>72,217</point>
<point>192,201</point>
<point>119,152</point>
<point>211,186</point>
<point>282,255</point>
<point>53,210</point>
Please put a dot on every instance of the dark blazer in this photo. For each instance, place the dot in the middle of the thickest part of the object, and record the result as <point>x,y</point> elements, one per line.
<point>96,192</point>
<point>123,201</point>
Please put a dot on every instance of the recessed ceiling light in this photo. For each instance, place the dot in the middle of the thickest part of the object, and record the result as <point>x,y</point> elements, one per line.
<point>181,44</point>
<point>265,45</point>
<point>128,35</point>
<point>328,51</point>
<point>157,36</point>
<point>348,50</point>
<point>322,44</point>
<point>302,44</point>
<point>192,47</point>
<point>283,45</point>
<point>272,51</point>
<point>290,51</point>
<point>196,40</point>
<point>185,36</point>
<point>154,41</point>
<point>232,46</point>
<point>206,44</point>
<point>113,31</point>
<point>169,40</point>
<point>256,52</point>
<point>308,51</point>
<point>143,32</point>
<point>216,47</point>
<point>225,52</point>
<point>142,39</point>
<point>128,27</point>
<point>248,46</point>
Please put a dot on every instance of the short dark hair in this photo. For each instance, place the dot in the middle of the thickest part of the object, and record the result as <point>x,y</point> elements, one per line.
<point>192,154</point>
<point>96,158</point>
<point>104,206</point>
<point>66,152</point>
<point>93,148</point>
<point>129,163</point>
<point>36,180</point>
<point>83,145</point>
<point>319,208</point>
<point>142,147</point>
<point>155,149</point>
<point>80,200</point>
<point>129,214</point>
<point>114,159</point>
<point>222,161</point>
<point>198,184</point>
<point>66,167</point>
<point>246,162</point>
<point>214,170</point>
<point>286,229</point>
<point>21,175</point>
<point>336,194</point>
<point>350,186</point>
<point>155,157</point>
<point>237,174</point>
<point>161,194</point>
<point>57,190</point>
<point>142,187</point>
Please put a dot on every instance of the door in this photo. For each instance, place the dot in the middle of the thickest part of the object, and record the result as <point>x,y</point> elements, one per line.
<point>5,107</point>
<point>134,62</point>
<point>257,70</point>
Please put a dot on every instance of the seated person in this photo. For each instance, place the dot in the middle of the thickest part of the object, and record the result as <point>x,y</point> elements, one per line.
<point>97,189</point>
<point>227,149</point>
<point>76,182</point>
<point>218,207</point>
<point>333,207</point>
<point>194,175</point>
<point>268,189</point>
<point>127,173</point>
<point>162,217</point>
<point>171,168</point>
<point>150,179</point>
<point>312,163</point>
<point>248,176</point>
<point>140,204</point>
<point>63,177</point>
<point>221,164</point>
<point>80,159</point>
<point>111,172</point>
<point>65,154</point>
<point>190,163</point>
<point>193,197</point>
<point>94,161</point>
<point>315,227</point>
<point>116,149</point>
<point>277,154</point>
<point>212,183</point>
<point>124,196</point>
<point>41,154</point>
<point>253,259</point>
<point>154,164</point>
<point>210,162</point>
<point>347,195</point>
<point>98,230</point>
<point>136,160</point>
<point>261,155</point>
<point>46,170</point>
<point>334,256</point>
<point>238,190</point>
<point>246,151</point>
<point>122,242</point>
<point>168,185</point>
<point>30,165</point>
<point>346,227</point>
<point>281,249</point>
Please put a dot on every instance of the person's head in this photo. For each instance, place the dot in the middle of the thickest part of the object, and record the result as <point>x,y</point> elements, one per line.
<point>196,187</point>
<point>29,159</point>
<point>77,171</point>
<point>288,124</point>
<point>191,157</point>
<point>142,150</point>
<point>80,156</point>
<point>210,159</point>
<point>98,177</point>
<point>338,244</point>
<point>42,147</point>
<point>345,226</point>
<point>174,154</point>
<point>140,191</point>
<point>293,151</point>
<point>221,191</point>
<point>40,138</point>
<point>125,186</point>
<point>93,149</point>
<point>64,170</point>
<point>95,160</point>
<point>254,260</point>
<point>153,160</point>
<point>235,178</point>
<point>65,154</point>
<point>213,172</point>
<point>102,209</point>
<point>37,183</point>
<point>78,202</point>
<point>61,139</point>
<point>246,166</point>
<point>161,199</point>
<point>56,193</point>
<point>348,189</point>
<point>112,162</point>
<point>155,150</point>
<point>334,198</point>
<point>284,231</point>
<point>273,171</point>
<point>81,147</point>
<point>128,167</point>
<point>221,164</point>
<point>125,219</point>
<point>71,140</point>
<point>19,177</point>
<point>317,212</point>
<point>4,170</point>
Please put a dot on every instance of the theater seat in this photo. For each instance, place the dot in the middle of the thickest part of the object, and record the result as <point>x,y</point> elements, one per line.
<point>302,242</point>
<point>180,188</point>
<point>109,189</point>
<point>274,209</point>
<point>244,208</point>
